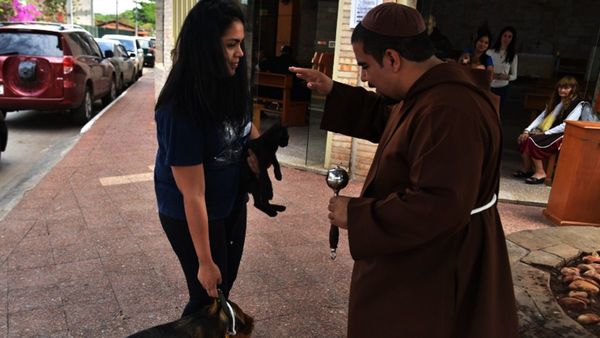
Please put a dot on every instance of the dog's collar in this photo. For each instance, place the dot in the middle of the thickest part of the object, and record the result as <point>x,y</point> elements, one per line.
<point>228,310</point>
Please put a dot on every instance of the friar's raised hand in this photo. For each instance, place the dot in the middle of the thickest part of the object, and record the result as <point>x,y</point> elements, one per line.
<point>315,80</point>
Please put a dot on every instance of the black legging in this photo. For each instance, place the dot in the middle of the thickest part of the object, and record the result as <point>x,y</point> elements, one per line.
<point>226,246</point>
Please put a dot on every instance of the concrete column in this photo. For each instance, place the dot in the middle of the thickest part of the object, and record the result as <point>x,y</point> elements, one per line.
<point>163,33</point>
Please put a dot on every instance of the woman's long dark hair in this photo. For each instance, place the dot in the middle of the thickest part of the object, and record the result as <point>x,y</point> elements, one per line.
<point>482,31</point>
<point>510,50</point>
<point>569,102</point>
<point>198,84</point>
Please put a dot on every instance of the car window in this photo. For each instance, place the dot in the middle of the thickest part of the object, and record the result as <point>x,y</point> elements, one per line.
<point>127,43</point>
<point>26,43</point>
<point>104,46</point>
<point>82,46</point>
<point>144,43</point>
<point>122,51</point>
<point>73,44</point>
<point>92,44</point>
<point>95,47</point>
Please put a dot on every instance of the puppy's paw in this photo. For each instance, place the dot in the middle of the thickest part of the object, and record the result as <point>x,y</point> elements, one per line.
<point>266,208</point>
<point>277,207</point>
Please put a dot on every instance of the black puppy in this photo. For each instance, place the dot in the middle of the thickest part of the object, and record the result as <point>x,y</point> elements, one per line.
<point>265,147</point>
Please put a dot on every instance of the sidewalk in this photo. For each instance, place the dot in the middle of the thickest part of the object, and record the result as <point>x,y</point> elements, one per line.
<point>83,253</point>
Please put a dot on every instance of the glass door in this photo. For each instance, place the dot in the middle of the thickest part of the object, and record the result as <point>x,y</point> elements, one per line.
<point>284,33</point>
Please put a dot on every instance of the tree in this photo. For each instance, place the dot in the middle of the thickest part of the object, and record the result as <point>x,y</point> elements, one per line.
<point>147,12</point>
<point>146,16</point>
<point>25,11</point>
<point>6,10</point>
<point>31,10</point>
<point>54,10</point>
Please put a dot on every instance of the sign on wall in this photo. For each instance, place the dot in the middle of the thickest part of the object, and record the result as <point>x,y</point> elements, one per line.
<point>360,8</point>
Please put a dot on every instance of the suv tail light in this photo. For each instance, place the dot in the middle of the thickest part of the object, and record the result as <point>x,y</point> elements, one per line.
<point>68,64</point>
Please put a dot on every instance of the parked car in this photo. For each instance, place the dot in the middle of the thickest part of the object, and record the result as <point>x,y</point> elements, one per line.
<point>133,47</point>
<point>3,134</point>
<point>47,66</point>
<point>115,52</point>
<point>148,48</point>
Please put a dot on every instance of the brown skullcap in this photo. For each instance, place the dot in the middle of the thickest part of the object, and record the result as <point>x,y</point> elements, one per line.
<point>394,20</point>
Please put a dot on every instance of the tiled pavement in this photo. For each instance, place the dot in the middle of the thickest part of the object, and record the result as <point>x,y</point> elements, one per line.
<point>85,257</point>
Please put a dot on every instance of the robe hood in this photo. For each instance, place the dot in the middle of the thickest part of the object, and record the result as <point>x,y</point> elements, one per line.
<point>450,73</point>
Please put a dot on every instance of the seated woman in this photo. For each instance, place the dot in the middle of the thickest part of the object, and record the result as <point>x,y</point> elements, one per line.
<point>476,56</point>
<point>543,137</point>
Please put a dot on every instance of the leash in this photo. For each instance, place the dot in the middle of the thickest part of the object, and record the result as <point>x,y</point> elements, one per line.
<point>228,310</point>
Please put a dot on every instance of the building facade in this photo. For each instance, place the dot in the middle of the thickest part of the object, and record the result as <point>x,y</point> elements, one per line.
<point>578,40</point>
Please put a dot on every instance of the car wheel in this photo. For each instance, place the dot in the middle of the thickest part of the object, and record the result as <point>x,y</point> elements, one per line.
<point>112,93</point>
<point>3,112</point>
<point>141,72</point>
<point>3,134</point>
<point>121,85</point>
<point>85,111</point>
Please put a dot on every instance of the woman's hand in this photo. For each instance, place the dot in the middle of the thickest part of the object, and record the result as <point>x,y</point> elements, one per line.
<point>253,162</point>
<point>315,80</point>
<point>209,276</point>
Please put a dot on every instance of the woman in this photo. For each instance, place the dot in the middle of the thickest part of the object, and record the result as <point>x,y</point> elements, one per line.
<point>476,56</point>
<point>544,135</point>
<point>203,124</point>
<point>505,62</point>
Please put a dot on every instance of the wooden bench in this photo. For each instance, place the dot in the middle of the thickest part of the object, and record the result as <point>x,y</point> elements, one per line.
<point>292,113</point>
<point>535,103</point>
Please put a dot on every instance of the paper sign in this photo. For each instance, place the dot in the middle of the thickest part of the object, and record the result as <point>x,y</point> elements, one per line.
<point>360,8</point>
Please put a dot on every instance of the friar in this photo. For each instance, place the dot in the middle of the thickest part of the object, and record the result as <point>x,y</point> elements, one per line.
<point>430,258</point>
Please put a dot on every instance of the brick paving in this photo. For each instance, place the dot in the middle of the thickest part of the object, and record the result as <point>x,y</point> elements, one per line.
<point>83,254</point>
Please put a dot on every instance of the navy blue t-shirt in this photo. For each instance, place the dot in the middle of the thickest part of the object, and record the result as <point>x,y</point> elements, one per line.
<point>181,142</point>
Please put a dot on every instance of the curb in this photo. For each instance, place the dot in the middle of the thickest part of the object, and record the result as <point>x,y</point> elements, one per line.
<point>89,124</point>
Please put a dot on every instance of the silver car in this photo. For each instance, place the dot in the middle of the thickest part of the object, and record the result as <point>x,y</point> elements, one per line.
<point>133,47</point>
<point>116,53</point>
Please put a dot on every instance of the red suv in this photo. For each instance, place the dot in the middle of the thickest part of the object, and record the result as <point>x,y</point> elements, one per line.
<point>51,67</point>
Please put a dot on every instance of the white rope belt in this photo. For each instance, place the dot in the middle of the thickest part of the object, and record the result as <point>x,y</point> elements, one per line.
<point>485,207</point>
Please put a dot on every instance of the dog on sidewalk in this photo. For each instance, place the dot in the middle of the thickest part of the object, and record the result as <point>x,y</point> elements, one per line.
<point>261,188</point>
<point>214,321</point>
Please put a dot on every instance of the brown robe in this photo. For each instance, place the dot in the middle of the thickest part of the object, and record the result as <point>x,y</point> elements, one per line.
<point>424,266</point>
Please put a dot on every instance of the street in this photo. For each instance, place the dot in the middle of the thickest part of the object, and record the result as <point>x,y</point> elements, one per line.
<point>36,142</point>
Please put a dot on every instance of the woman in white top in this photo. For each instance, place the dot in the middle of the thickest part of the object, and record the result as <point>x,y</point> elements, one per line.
<point>505,62</point>
<point>543,137</point>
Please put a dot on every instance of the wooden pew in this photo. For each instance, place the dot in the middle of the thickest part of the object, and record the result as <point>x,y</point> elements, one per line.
<point>292,113</point>
<point>535,103</point>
